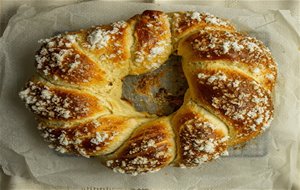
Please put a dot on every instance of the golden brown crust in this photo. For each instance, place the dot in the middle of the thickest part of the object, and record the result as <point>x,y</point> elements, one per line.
<point>97,136</point>
<point>200,136</point>
<point>152,39</point>
<point>116,48</point>
<point>242,103</point>
<point>185,23</point>
<point>150,148</point>
<point>199,143</point>
<point>109,45</point>
<point>58,103</point>
<point>235,49</point>
<point>77,94</point>
<point>59,59</point>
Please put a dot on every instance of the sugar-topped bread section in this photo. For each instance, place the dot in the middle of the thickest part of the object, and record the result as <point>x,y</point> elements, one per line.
<point>57,103</point>
<point>152,41</point>
<point>149,148</point>
<point>185,23</point>
<point>60,61</point>
<point>201,137</point>
<point>241,103</point>
<point>96,136</point>
<point>236,50</point>
<point>76,93</point>
<point>109,45</point>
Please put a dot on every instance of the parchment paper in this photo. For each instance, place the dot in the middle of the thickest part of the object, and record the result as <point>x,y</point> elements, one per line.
<point>24,153</point>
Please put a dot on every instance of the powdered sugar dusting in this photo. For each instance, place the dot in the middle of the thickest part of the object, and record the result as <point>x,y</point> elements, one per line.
<point>71,38</point>
<point>59,60</point>
<point>47,103</point>
<point>100,137</point>
<point>78,138</point>
<point>196,15</point>
<point>141,155</point>
<point>153,40</point>
<point>157,50</point>
<point>199,143</point>
<point>183,21</point>
<point>248,109</point>
<point>247,51</point>
<point>100,37</point>
<point>208,18</point>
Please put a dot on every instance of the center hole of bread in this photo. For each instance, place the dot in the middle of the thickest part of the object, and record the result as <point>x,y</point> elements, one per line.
<point>159,92</point>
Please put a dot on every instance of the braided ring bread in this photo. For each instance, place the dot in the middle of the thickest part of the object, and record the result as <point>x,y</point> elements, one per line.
<point>76,92</point>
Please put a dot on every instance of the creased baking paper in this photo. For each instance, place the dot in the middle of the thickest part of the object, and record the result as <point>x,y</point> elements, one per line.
<point>24,153</point>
